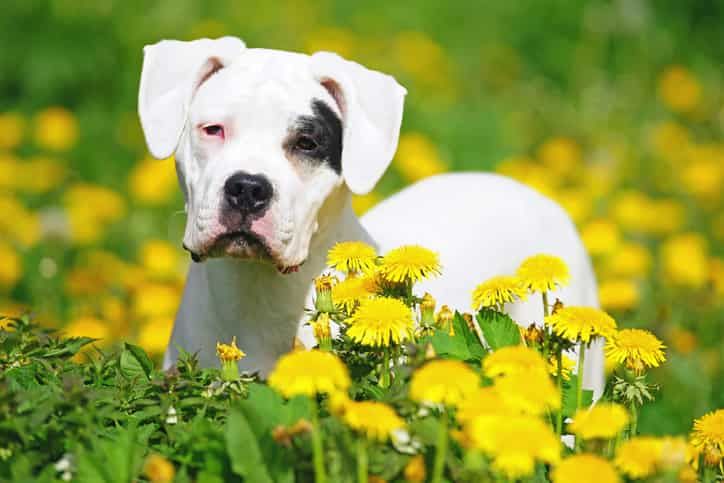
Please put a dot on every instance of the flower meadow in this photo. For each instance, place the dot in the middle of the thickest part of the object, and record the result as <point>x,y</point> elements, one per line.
<point>613,109</point>
<point>397,389</point>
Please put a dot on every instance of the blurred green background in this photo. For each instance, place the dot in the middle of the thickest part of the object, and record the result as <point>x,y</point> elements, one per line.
<point>613,108</point>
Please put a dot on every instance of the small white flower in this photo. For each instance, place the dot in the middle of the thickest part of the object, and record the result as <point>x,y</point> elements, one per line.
<point>171,417</point>
<point>65,467</point>
<point>403,442</point>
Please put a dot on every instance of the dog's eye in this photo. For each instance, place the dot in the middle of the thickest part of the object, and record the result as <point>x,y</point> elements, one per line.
<point>213,130</point>
<point>305,143</point>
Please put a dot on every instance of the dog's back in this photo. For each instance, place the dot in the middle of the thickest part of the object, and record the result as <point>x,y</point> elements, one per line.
<point>484,225</point>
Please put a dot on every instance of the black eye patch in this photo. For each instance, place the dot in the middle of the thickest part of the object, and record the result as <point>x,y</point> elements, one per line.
<point>317,137</point>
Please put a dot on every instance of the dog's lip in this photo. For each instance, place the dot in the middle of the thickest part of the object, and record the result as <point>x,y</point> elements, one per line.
<point>262,249</point>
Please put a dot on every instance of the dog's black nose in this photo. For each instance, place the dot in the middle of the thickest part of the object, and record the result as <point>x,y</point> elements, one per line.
<point>250,193</point>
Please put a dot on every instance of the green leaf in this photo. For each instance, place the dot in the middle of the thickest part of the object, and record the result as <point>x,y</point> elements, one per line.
<point>115,458</point>
<point>243,450</point>
<point>569,397</point>
<point>498,328</point>
<point>70,347</point>
<point>134,362</point>
<point>463,345</point>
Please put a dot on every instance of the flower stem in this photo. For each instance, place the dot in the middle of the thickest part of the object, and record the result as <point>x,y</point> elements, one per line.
<point>478,331</point>
<point>319,474</point>
<point>441,450</point>
<point>634,419</point>
<point>559,380</point>
<point>579,383</point>
<point>579,377</point>
<point>385,371</point>
<point>362,460</point>
<point>545,304</point>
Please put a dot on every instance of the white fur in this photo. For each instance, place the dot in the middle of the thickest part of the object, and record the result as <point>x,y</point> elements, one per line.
<point>482,225</point>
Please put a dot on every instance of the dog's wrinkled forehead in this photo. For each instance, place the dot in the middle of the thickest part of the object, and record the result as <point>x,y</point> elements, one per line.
<point>260,81</point>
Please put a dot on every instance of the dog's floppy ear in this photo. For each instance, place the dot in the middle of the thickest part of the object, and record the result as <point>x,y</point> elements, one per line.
<point>371,104</point>
<point>172,70</point>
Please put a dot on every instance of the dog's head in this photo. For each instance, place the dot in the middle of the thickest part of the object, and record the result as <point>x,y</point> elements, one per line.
<point>262,138</point>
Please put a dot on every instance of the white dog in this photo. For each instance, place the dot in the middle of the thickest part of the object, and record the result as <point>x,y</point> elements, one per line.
<point>269,147</point>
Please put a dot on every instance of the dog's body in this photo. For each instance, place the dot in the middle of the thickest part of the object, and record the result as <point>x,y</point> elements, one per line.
<point>269,147</point>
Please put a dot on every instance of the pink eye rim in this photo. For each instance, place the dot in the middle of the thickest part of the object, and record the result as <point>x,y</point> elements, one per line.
<point>213,131</point>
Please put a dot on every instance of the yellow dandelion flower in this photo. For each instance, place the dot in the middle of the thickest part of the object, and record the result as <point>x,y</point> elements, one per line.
<point>160,259</point>
<point>347,293</point>
<point>373,419</point>
<point>630,260</point>
<point>602,421</point>
<point>708,435</point>
<point>415,471</point>
<point>560,154</point>
<point>56,128</point>
<point>618,294</point>
<point>155,300</point>
<point>158,469</point>
<point>352,257</point>
<point>409,263</point>
<point>581,323</point>
<point>585,468</point>
<point>638,457</point>
<point>12,126</point>
<point>514,443</point>
<point>447,382</point>
<point>381,321</point>
<point>498,291</point>
<point>515,359</point>
<point>309,373</point>
<point>530,393</point>
<point>153,181</point>
<point>601,236</point>
<point>88,327</point>
<point>417,157</point>
<point>685,260</point>
<point>155,334</point>
<point>11,266</point>
<point>636,348</point>
<point>543,273</point>
<point>229,352</point>
<point>679,89</point>
<point>484,401</point>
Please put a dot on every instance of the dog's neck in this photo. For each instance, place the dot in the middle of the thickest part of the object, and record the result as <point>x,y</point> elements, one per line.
<point>256,303</point>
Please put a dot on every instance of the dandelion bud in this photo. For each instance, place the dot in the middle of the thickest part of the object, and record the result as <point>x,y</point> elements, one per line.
<point>533,335</point>
<point>228,355</point>
<point>158,469</point>
<point>444,319</point>
<point>300,427</point>
<point>427,311</point>
<point>281,435</point>
<point>430,352</point>
<point>415,470</point>
<point>468,318</point>
<point>322,331</point>
<point>323,286</point>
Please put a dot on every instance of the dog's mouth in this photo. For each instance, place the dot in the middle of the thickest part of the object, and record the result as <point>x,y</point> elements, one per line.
<point>243,245</point>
